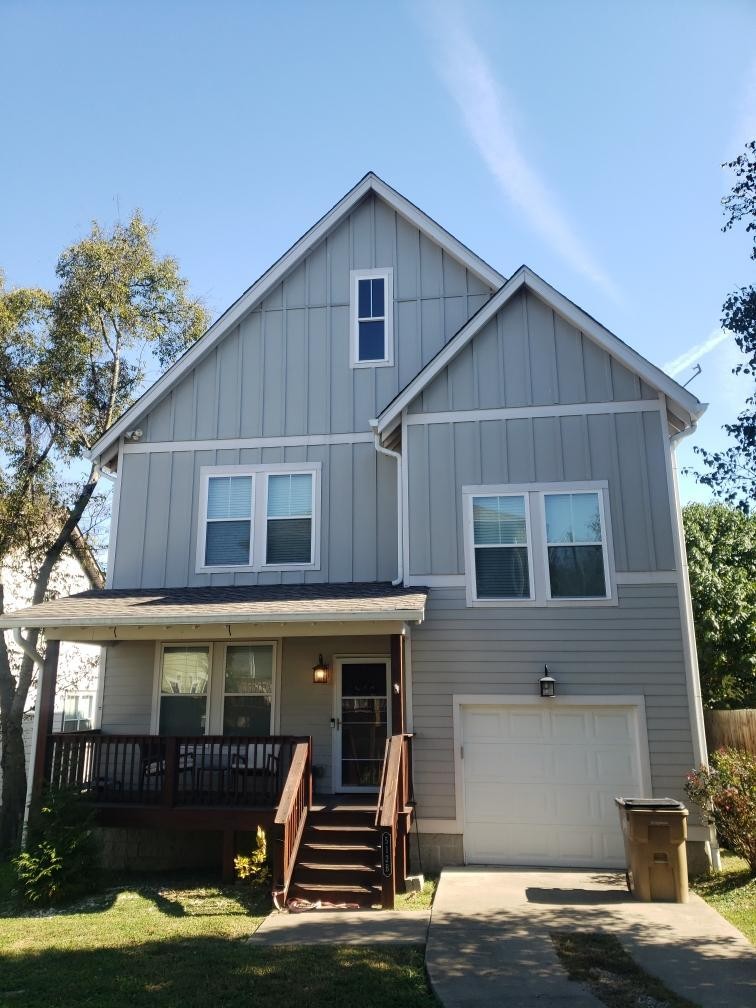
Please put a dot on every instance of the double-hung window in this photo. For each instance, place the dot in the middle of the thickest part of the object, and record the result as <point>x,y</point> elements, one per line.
<point>575,545</point>
<point>371,310</point>
<point>537,545</point>
<point>258,517</point>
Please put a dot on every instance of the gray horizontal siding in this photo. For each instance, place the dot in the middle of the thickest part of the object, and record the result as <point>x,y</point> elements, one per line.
<point>156,544</point>
<point>285,369</point>
<point>597,652</point>
<point>128,671</point>
<point>527,355</point>
<point>626,449</point>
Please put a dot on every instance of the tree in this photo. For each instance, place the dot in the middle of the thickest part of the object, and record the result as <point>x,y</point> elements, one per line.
<point>721,546</point>
<point>731,473</point>
<point>70,362</point>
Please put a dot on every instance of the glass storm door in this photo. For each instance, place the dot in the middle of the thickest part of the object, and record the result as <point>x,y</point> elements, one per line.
<point>361,722</point>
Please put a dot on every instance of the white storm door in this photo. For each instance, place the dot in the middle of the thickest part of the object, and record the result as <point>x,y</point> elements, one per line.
<point>361,722</point>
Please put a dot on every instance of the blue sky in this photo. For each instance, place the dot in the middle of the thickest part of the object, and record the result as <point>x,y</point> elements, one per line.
<point>582,138</point>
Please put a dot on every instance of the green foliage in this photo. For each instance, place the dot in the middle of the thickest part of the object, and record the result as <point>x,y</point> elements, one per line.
<point>726,793</point>
<point>62,855</point>
<point>721,546</point>
<point>254,866</point>
<point>731,474</point>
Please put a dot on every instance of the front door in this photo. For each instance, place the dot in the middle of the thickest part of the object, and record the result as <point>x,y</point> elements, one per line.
<point>361,722</point>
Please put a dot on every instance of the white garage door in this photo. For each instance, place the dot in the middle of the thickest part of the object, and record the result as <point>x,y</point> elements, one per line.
<point>540,783</point>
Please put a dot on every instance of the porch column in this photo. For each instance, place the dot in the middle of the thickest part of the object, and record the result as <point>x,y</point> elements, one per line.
<point>44,715</point>
<point>397,684</point>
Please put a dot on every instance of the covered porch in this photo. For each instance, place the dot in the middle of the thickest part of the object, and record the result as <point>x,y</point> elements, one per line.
<point>224,709</point>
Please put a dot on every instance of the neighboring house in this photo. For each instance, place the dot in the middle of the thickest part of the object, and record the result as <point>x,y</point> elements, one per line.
<point>386,489</point>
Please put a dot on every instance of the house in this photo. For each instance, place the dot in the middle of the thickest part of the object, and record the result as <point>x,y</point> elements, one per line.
<point>388,501</point>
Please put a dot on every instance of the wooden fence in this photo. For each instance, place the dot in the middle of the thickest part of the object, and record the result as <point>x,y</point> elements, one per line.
<point>733,728</point>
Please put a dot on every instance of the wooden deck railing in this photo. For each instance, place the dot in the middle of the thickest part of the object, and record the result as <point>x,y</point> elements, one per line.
<point>245,771</point>
<point>291,816</point>
<point>393,816</point>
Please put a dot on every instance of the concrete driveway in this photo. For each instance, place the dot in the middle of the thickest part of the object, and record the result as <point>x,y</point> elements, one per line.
<point>488,941</point>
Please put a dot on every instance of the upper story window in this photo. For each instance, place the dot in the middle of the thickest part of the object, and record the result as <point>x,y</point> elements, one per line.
<point>258,517</point>
<point>540,545</point>
<point>371,312</point>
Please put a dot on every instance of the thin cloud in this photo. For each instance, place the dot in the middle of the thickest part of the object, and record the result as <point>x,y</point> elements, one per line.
<point>486,112</point>
<point>690,357</point>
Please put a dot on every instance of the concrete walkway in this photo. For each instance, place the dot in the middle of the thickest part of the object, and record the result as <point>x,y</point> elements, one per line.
<point>488,942</point>
<point>344,927</point>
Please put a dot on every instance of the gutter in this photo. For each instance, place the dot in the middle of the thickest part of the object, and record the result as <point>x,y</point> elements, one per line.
<point>399,579</point>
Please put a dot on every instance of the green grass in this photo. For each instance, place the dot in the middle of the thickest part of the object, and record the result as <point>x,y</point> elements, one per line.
<point>418,900</point>
<point>170,942</point>
<point>600,962</point>
<point>732,892</point>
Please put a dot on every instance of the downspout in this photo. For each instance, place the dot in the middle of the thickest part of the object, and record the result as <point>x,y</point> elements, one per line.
<point>399,579</point>
<point>716,858</point>
<point>39,661</point>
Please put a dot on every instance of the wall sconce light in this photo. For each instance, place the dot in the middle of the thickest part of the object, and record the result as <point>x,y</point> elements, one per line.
<point>547,683</point>
<point>320,672</point>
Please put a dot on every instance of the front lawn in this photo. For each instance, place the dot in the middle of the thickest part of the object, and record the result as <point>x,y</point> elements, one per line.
<point>732,892</point>
<point>178,941</point>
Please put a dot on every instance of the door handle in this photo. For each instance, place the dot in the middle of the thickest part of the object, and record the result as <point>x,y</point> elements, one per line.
<point>335,723</point>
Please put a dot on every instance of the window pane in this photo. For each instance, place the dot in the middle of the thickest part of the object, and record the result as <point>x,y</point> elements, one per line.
<point>371,342</point>
<point>586,517</point>
<point>499,520</point>
<point>246,715</point>
<point>185,670</point>
<point>229,497</point>
<point>363,741</point>
<point>361,773</point>
<point>227,542</point>
<point>249,669</point>
<point>363,299</point>
<point>502,573</point>
<point>558,518</point>
<point>182,715</point>
<point>577,572</point>
<point>363,679</point>
<point>290,494</point>
<point>289,541</point>
<point>377,307</point>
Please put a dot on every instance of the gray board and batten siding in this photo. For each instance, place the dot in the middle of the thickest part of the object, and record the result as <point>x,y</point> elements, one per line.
<point>285,368</point>
<point>633,648</point>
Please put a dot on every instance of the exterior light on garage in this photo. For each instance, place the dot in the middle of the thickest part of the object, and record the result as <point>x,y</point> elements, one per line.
<point>547,683</point>
<point>320,672</point>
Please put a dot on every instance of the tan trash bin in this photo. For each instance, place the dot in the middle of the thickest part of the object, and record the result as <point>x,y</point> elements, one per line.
<point>655,831</point>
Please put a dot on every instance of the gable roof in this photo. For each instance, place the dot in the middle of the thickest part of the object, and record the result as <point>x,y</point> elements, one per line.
<point>525,277</point>
<point>275,274</point>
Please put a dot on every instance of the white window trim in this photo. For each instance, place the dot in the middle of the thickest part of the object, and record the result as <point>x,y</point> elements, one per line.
<point>470,540</point>
<point>537,550</point>
<point>259,525</point>
<point>388,306</point>
<point>216,695</point>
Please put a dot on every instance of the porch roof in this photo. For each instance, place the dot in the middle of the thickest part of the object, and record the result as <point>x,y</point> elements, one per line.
<point>113,607</point>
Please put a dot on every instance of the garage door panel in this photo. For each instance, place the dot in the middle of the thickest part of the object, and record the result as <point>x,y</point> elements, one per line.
<point>540,783</point>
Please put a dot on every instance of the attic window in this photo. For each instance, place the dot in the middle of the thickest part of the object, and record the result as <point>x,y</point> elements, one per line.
<point>371,311</point>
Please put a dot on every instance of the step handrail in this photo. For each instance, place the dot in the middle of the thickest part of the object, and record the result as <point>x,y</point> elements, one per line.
<point>291,815</point>
<point>390,817</point>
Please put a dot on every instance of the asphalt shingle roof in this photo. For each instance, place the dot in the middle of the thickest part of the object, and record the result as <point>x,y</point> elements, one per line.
<point>241,604</point>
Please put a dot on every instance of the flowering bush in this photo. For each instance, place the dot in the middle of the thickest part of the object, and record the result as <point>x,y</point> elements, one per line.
<point>254,866</point>
<point>726,793</point>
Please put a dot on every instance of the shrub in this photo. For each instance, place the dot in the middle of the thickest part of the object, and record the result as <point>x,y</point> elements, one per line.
<point>62,856</point>
<point>254,866</point>
<point>726,793</point>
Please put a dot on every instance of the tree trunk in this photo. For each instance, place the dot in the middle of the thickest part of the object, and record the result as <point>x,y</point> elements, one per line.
<point>13,763</point>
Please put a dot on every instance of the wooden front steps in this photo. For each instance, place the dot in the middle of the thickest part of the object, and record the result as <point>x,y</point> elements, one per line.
<point>338,859</point>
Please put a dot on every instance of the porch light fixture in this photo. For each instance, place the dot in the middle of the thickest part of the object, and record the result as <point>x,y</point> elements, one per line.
<point>547,683</point>
<point>320,672</point>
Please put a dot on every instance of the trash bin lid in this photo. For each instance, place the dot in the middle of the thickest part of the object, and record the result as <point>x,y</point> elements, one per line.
<point>652,804</point>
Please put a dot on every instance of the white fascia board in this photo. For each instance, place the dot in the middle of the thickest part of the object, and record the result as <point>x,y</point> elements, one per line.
<point>273,276</point>
<point>524,277</point>
<point>346,616</point>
